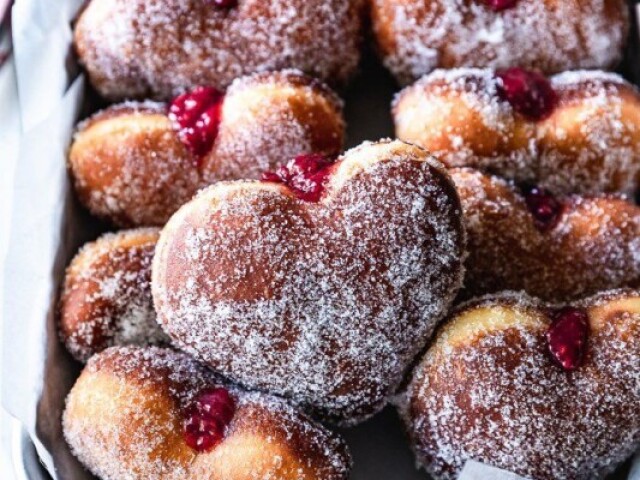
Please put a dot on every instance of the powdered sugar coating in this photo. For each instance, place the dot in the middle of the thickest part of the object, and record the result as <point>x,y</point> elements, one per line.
<point>417,36</point>
<point>324,303</point>
<point>130,167</point>
<point>124,420</point>
<point>594,246</point>
<point>106,299</point>
<point>460,117</point>
<point>126,107</point>
<point>592,142</point>
<point>589,144</point>
<point>159,48</point>
<point>577,77</point>
<point>487,389</point>
<point>268,119</point>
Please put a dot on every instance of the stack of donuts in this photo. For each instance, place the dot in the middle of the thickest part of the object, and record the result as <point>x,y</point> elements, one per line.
<point>481,272</point>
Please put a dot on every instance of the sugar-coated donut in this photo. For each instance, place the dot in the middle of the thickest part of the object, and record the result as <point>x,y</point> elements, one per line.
<point>159,48</point>
<point>415,37</point>
<point>136,163</point>
<point>152,413</point>
<point>552,247</point>
<point>106,298</point>
<point>547,392</point>
<point>321,283</point>
<point>578,132</point>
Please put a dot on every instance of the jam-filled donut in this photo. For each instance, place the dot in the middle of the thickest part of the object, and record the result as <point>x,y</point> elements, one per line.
<point>159,48</point>
<point>136,163</point>
<point>576,132</point>
<point>554,247</point>
<point>106,298</point>
<point>320,283</point>
<point>547,392</point>
<point>152,413</point>
<point>415,37</point>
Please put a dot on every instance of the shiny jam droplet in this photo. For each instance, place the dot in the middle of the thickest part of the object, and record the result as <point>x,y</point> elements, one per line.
<point>544,207</point>
<point>499,5</point>
<point>202,432</point>
<point>217,402</point>
<point>196,116</point>
<point>529,93</point>
<point>207,420</point>
<point>306,176</point>
<point>567,337</point>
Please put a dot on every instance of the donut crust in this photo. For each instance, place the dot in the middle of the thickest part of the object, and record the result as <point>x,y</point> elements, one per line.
<point>124,419</point>
<point>134,49</point>
<point>414,37</point>
<point>259,284</point>
<point>106,297</point>
<point>594,246</point>
<point>589,144</point>
<point>488,389</point>
<point>129,166</point>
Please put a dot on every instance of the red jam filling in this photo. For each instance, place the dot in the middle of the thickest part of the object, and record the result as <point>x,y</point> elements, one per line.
<point>208,418</point>
<point>499,5</point>
<point>567,337</point>
<point>544,207</point>
<point>529,93</point>
<point>306,176</point>
<point>225,3</point>
<point>196,116</point>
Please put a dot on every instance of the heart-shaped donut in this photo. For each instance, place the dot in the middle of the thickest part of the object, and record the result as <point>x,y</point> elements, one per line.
<point>495,386</point>
<point>159,48</point>
<point>576,132</point>
<point>137,163</point>
<point>552,247</point>
<point>415,37</point>
<point>156,414</point>
<point>326,302</point>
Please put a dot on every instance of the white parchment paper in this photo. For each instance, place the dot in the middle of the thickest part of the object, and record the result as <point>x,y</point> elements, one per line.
<point>46,227</point>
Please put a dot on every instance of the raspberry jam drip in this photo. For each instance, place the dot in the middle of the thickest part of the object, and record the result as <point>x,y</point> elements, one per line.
<point>529,93</point>
<point>196,117</point>
<point>224,3</point>
<point>567,337</point>
<point>499,5</point>
<point>305,175</point>
<point>544,207</point>
<point>208,419</point>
